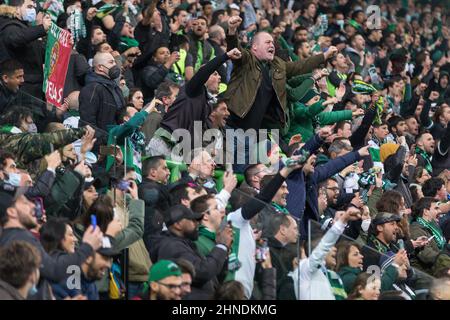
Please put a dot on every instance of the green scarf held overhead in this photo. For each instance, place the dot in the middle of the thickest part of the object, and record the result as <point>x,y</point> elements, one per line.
<point>437,233</point>
<point>76,26</point>
<point>107,9</point>
<point>361,87</point>
<point>127,43</point>
<point>379,104</point>
<point>427,158</point>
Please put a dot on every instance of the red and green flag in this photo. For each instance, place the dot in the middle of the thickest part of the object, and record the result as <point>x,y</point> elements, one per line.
<point>57,55</point>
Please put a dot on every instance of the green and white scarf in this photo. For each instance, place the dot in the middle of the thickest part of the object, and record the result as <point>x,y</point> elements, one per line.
<point>437,233</point>
<point>427,158</point>
<point>76,25</point>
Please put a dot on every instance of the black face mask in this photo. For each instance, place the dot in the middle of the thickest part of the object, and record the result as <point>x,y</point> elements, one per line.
<point>113,72</point>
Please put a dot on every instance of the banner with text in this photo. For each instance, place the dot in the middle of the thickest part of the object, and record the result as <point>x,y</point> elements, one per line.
<point>57,55</point>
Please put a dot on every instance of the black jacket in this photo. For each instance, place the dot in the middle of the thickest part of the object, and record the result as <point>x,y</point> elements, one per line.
<point>156,198</point>
<point>100,100</point>
<point>282,257</point>
<point>76,71</point>
<point>21,42</point>
<point>7,97</point>
<point>169,246</point>
<point>51,269</point>
<point>151,77</point>
<point>192,101</point>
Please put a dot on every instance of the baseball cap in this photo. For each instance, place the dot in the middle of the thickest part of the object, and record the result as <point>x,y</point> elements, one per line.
<point>385,217</point>
<point>163,269</point>
<point>234,6</point>
<point>107,249</point>
<point>179,212</point>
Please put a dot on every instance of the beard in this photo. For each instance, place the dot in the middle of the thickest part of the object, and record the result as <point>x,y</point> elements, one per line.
<point>191,235</point>
<point>93,274</point>
<point>27,222</point>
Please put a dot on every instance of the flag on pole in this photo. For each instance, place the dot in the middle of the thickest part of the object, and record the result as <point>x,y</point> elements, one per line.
<point>57,55</point>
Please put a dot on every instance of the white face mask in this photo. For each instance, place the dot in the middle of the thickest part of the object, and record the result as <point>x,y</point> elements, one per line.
<point>14,179</point>
<point>30,15</point>
<point>365,225</point>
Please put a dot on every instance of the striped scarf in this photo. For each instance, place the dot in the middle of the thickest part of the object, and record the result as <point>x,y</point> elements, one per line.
<point>337,287</point>
<point>435,230</point>
<point>427,159</point>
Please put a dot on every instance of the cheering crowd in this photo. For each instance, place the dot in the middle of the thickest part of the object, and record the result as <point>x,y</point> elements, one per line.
<point>346,195</point>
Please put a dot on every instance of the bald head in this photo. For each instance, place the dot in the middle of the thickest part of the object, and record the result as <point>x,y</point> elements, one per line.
<point>263,47</point>
<point>101,58</point>
<point>102,62</point>
<point>216,32</point>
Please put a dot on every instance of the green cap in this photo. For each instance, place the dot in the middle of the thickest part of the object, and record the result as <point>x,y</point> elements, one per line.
<point>163,269</point>
<point>311,93</point>
<point>385,217</point>
<point>437,55</point>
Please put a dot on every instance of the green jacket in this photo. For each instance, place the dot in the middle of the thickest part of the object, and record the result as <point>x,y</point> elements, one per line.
<point>426,257</point>
<point>123,133</point>
<point>28,147</point>
<point>66,196</point>
<point>303,118</point>
<point>247,76</point>
<point>349,274</point>
<point>442,261</point>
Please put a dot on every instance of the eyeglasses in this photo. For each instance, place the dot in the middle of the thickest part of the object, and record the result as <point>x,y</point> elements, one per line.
<point>171,286</point>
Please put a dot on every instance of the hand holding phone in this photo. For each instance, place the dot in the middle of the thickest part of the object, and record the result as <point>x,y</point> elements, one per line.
<point>93,221</point>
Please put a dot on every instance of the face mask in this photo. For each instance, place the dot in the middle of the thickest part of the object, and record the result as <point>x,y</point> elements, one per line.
<point>30,15</point>
<point>365,225</point>
<point>113,72</point>
<point>33,290</point>
<point>32,128</point>
<point>14,179</point>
